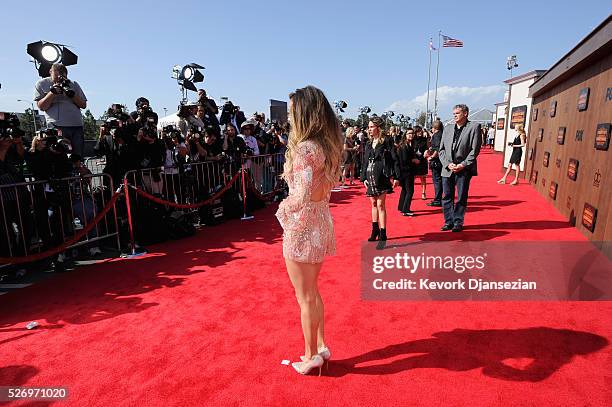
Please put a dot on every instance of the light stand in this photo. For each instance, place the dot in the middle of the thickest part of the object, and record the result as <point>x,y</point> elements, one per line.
<point>511,63</point>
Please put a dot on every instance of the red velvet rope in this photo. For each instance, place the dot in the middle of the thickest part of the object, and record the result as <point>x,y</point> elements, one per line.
<point>67,243</point>
<point>186,206</point>
<point>264,197</point>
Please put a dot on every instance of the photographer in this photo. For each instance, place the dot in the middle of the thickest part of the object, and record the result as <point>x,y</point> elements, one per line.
<point>61,99</point>
<point>48,160</point>
<point>174,162</point>
<point>10,130</point>
<point>15,200</point>
<point>279,140</point>
<point>208,110</point>
<point>144,115</point>
<point>213,150</point>
<point>118,148</point>
<point>188,120</point>
<point>229,114</point>
<point>255,166</point>
<point>233,146</point>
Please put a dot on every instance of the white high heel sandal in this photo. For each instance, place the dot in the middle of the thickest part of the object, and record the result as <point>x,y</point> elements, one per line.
<point>305,367</point>
<point>325,353</point>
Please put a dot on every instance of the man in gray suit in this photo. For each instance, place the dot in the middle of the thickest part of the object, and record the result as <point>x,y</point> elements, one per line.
<point>458,151</point>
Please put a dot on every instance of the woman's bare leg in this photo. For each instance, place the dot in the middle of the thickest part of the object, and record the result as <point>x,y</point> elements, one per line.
<point>374,209</point>
<point>517,170</point>
<point>503,179</point>
<point>304,277</point>
<point>424,185</point>
<point>382,211</point>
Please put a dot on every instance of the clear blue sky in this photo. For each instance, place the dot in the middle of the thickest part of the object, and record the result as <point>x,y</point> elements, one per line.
<point>364,52</point>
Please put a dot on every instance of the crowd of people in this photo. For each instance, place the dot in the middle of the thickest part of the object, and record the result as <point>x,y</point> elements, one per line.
<point>381,157</point>
<point>385,159</point>
<point>127,141</point>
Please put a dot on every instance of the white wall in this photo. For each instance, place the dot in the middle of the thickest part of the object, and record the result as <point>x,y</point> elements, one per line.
<point>500,113</point>
<point>519,96</point>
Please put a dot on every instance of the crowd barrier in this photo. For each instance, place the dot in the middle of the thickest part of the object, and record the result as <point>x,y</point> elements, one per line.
<point>40,219</point>
<point>96,166</point>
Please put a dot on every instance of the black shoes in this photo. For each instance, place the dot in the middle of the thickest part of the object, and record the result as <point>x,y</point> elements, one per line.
<point>447,226</point>
<point>375,232</point>
<point>409,213</point>
<point>457,228</point>
<point>382,241</point>
<point>434,203</point>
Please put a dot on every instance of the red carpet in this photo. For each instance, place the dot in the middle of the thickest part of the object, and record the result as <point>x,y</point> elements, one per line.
<point>207,321</point>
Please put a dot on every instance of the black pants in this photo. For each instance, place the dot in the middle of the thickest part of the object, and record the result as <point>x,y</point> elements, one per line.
<point>436,179</point>
<point>454,212</point>
<point>405,199</point>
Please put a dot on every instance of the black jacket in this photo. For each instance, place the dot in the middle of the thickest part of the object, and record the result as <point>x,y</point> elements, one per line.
<point>405,155</point>
<point>384,155</point>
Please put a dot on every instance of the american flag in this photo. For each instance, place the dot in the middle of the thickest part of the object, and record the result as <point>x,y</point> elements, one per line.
<point>451,42</point>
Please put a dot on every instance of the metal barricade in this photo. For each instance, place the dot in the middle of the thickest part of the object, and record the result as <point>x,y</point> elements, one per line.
<point>265,172</point>
<point>194,188</point>
<point>41,215</point>
<point>190,184</point>
<point>96,166</point>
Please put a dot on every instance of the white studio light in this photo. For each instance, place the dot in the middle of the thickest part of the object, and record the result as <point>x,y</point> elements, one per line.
<point>188,73</point>
<point>51,53</point>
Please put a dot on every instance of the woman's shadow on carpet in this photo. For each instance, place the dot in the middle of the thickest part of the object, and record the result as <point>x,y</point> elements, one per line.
<point>529,354</point>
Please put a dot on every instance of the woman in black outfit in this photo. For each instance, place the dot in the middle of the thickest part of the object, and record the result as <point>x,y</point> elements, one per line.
<point>379,169</point>
<point>421,142</point>
<point>517,153</point>
<point>408,165</point>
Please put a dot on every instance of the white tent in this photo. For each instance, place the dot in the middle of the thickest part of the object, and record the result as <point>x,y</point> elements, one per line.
<point>172,119</point>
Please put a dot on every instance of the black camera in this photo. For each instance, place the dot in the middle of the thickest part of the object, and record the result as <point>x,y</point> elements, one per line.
<point>149,132</point>
<point>49,132</point>
<point>9,125</point>
<point>170,129</point>
<point>118,111</point>
<point>52,141</point>
<point>228,111</point>
<point>64,85</point>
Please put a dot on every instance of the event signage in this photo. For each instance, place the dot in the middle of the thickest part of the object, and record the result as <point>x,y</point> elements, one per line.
<point>561,136</point>
<point>518,115</point>
<point>589,216</point>
<point>602,136</point>
<point>583,99</point>
<point>572,169</point>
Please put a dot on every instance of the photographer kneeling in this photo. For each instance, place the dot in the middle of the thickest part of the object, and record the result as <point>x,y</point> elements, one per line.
<point>62,100</point>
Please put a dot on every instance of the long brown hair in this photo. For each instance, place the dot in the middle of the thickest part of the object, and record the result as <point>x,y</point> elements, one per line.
<point>377,121</point>
<point>312,118</point>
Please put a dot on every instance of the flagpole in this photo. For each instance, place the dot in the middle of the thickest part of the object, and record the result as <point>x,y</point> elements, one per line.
<point>428,83</point>
<point>437,75</point>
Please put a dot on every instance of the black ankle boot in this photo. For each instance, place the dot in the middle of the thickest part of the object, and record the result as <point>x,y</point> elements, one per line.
<point>382,240</point>
<point>375,232</point>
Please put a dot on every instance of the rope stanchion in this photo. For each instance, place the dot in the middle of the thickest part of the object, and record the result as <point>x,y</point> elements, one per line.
<point>263,196</point>
<point>126,191</point>
<point>185,206</point>
<point>244,195</point>
<point>67,243</point>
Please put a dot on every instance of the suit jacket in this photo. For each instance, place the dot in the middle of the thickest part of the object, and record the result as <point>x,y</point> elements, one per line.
<point>466,150</point>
